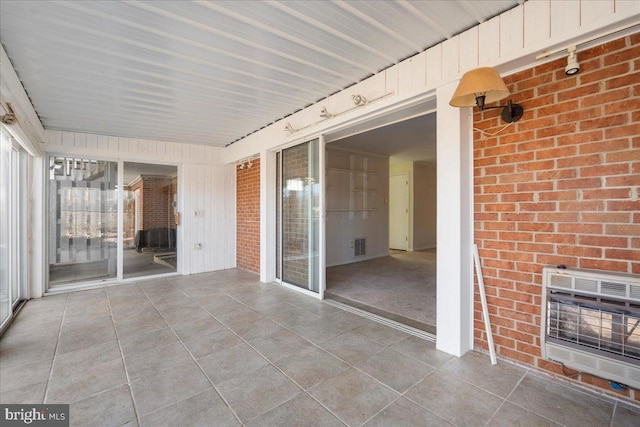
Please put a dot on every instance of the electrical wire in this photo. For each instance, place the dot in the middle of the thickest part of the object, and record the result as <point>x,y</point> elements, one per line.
<point>493,134</point>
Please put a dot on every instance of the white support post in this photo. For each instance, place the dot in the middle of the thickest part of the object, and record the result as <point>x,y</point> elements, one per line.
<point>454,313</point>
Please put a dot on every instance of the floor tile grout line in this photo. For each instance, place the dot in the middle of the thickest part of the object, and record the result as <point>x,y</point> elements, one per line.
<point>350,365</point>
<point>529,371</point>
<point>55,351</point>
<point>124,366</point>
<point>303,390</point>
<point>505,399</point>
<point>192,356</point>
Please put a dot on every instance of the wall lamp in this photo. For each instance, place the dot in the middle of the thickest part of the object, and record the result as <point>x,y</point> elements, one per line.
<point>482,86</point>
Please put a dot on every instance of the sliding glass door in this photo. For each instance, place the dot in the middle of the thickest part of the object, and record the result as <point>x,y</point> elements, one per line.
<point>109,220</point>
<point>5,228</point>
<point>14,161</point>
<point>83,226</point>
<point>300,226</point>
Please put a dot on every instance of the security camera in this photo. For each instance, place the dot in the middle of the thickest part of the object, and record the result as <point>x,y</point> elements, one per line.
<point>572,62</point>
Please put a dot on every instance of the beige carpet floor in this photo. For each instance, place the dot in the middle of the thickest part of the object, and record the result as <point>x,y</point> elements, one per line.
<point>401,287</point>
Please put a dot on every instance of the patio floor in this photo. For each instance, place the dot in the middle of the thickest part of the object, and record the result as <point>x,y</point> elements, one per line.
<point>222,349</point>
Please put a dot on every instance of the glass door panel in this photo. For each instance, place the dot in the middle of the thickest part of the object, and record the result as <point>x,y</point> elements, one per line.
<point>299,216</point>
<point>83,209</point>
<point>13,226</point>
<point>5,229</point>
<point>149,232</point>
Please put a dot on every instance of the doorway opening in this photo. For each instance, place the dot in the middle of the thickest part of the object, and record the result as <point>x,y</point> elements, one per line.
<point>381,221</point>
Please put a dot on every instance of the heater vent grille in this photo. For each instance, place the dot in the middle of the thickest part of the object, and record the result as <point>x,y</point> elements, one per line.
<point>360,247</point>
<point>592,322</point>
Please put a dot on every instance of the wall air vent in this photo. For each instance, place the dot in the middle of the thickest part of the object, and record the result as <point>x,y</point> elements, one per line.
<point>360,247</point>
<point>591,322</point>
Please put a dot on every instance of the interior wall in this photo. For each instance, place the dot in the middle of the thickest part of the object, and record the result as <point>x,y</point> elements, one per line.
<point>559,187</point>
<point>424,206</point>
<point>346,201</point>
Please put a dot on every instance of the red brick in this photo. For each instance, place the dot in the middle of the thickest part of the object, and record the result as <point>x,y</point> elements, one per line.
<point>579,228</point>
<point>603,264</point>
<point>557,260</point>
<point>603,73</point>
<point>555,175</point>
<point>556,130</point>
<point>623,81</point>
<point>623,229</point>
<point>620,205</point>
<point>555,238</point>
<point>622,106</point>
<point>580,252</point>
<point>610,193</point>
<point>620,131</point>
<point>558,217</point>
<point>535,166</point>
<point>604,146</point>
<point>603,241</point>
<point>584,160</point>
<point>536,144</point>
<point>623,156</point>
<point>578,138</point>
<point>578,115</point>
<point>580,183</point>
<point>579,92</point>
<point>536,247</point>
<point>555,153</point>
<point>558,195</point>
<point>604,217</point>
<point>631,255</point>
<point>604,122</point>
<point>604,97</point>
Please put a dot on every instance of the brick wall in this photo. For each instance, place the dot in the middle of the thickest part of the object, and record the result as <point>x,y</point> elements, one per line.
<point>155,196</point>
<point>561,186</point>
<point>248,217</point>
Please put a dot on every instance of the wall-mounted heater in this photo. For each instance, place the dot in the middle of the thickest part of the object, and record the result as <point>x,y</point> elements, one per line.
<point>591,322</point>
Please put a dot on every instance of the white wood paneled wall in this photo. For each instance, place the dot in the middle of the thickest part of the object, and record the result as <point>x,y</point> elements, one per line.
<point>208,220</point>
<point>206,190</point>
<point>510,42</point>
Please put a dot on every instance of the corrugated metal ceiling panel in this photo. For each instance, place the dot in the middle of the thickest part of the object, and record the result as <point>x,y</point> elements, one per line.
<point>210,72</point>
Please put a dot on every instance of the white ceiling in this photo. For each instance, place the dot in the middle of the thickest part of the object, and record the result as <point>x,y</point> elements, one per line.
<point>210,72</point>
<point>409,140</point>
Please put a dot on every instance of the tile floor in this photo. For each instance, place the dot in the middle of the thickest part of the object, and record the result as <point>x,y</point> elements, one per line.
<point>222,349</point>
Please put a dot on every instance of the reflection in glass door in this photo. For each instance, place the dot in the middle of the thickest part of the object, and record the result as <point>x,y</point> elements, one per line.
<point>299,216</point>
<point>83,210</point>
<point>149,232</point>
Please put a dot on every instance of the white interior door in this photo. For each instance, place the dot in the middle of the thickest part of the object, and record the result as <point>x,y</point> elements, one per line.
<point>399,212</point>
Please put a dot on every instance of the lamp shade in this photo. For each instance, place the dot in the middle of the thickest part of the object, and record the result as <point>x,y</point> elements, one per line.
<point>483,81</point>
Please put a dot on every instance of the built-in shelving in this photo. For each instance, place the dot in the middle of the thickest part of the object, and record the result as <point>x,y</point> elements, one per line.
<point>359,191</point>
